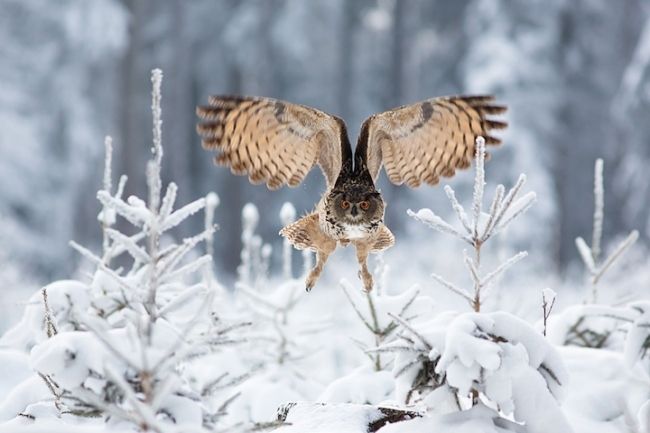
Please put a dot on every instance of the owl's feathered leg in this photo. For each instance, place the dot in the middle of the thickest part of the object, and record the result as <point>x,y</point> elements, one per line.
<point>322,254</point>
<point>363,249</point>
<point>306,234</point>
<point>381,241</point>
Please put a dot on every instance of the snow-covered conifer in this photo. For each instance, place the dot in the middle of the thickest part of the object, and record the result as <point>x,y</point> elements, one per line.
<point>505,207</point>
<point>123,346</point>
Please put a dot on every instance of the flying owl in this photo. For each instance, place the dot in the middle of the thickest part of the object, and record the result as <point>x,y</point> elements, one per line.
<point>278,143</point>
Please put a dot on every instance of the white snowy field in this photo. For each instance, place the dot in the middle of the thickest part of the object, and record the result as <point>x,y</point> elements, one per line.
<point>462,331</point>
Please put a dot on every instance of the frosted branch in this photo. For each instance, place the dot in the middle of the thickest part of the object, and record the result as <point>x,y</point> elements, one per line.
<point>495,210</point>
<point>427,217</point>
<point>505,265</point>
<point>585,254</point>
<point>517,208</point>
<point>137,252</point>
<point>479,183</point>
<point>175,255</point>
<point>98,261</point>
<point>188,268</point>
<point>620,249</point>
<point>412,330</point>
<point>599,204</point>
<point>178,216</point>
<point>472,268</point>
<point>132,214</point>
<point>548,301</point>
<point>120,186</point>
<point>452,287</point>
<point>347,288</point>
<point>458,208</point>
<point>168,201</point>
<point>509,199</point>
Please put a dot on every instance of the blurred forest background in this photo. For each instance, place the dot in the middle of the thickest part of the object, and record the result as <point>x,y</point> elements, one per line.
<point>575,74</point>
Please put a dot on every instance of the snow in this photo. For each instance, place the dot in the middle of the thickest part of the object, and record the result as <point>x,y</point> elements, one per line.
<point>149,336</point>
<point>363,385</point>
<point>330,418</point>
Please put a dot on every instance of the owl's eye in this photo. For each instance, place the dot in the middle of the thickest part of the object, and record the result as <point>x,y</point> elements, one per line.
<point>345,204</point>
<point>365,205</point>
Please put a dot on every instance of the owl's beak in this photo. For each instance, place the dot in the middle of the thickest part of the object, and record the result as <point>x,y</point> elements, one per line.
<point>353,210</point>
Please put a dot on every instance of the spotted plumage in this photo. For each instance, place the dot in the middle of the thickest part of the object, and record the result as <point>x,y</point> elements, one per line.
<point>277,143</point>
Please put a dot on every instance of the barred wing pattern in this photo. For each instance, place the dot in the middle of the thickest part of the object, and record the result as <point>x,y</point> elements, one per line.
<point>423,141</point>
<point>272,141</point>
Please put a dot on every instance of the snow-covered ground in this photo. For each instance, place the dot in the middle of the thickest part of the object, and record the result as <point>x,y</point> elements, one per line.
<point>151,339</point>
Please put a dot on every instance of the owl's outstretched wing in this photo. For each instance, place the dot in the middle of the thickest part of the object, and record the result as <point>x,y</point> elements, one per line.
<point>423,141</point>
<point>272,141</point>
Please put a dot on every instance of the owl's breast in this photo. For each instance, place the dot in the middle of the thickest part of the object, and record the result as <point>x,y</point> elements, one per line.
<point>340,230</point>
<point>355,231</point>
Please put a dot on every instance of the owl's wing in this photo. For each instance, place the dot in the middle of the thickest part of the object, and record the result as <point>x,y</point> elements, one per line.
<point>423,141</point>
<point>272,141</point>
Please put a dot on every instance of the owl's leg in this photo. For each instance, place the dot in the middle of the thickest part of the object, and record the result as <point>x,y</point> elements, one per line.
<point>325,248</point>
<point>363,249</point>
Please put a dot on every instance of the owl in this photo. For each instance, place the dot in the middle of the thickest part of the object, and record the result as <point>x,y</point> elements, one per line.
<point>278,143</point>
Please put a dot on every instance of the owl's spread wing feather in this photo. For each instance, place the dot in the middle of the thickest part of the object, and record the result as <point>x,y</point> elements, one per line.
<point>272,141</point>
<point>423,141</point>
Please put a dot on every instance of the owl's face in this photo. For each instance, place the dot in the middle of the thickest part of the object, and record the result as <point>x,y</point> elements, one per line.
<point>356,205</point>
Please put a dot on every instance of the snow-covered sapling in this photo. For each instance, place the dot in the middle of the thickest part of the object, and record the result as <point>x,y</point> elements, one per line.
<point>480,228</point>
<point>591,256</point>
<point>377,319</point>
<point>136,327</point>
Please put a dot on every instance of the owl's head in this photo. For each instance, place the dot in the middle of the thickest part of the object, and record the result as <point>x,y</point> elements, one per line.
<point>356,205</point>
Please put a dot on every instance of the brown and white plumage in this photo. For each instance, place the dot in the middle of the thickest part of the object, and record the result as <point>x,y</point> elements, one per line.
<point>421,142</point>
<point>273,142</point>
<point>278,143</point>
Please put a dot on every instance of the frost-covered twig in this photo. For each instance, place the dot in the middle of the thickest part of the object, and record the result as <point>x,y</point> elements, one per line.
<point>590,256</point>
<point>620,249</point>
<point>479,185</point>
<point>452,287</point>
<point>49,322</point>
<point>548,301</point>
<point>599,205</point>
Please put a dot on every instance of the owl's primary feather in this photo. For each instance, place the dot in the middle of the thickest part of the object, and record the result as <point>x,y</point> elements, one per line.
<point>271,141</point>
<point>421,142</point>
<point>277,143</point>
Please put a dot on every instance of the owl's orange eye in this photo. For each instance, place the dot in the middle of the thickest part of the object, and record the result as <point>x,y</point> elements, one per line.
<point>365,205</point>
<point>345,204</point>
